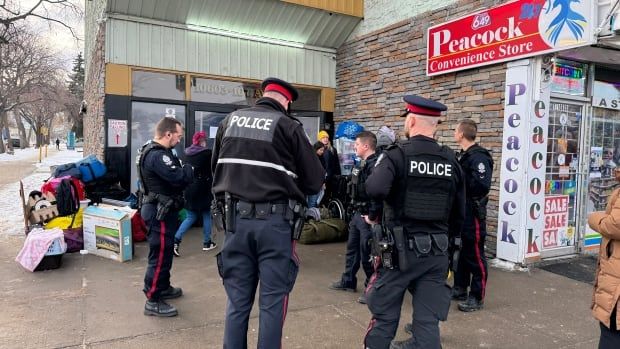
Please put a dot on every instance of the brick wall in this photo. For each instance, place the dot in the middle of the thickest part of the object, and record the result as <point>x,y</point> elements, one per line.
<point>375,71</point>
<point>94,94</point>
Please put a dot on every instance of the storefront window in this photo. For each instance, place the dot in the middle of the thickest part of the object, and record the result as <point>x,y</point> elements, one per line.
<point>158,85</point>
<point>569,77</point>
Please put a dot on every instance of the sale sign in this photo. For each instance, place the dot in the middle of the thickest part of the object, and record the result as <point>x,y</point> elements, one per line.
<point>517,29</point>
<point>556,221</point>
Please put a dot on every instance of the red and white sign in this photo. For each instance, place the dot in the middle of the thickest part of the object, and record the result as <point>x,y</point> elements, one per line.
<point>556,221</point>
<point>517,29</point>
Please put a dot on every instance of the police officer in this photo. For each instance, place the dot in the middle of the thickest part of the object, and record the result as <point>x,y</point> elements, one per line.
<point>477,166</point>
<point>358,249</point>
<point>264,166</point>
<point>423,189</point>
<point>162,179</point>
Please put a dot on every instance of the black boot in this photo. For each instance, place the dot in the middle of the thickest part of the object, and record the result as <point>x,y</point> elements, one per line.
<point>362,299</point>
<point>472,304</point>
<point>171,293</point>
<point>406,344</point>
<point>458,294</point>
<point>341,286</point>
<point>159,308</point>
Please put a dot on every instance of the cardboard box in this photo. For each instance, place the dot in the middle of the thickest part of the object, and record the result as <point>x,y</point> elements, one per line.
<point>107,232</point>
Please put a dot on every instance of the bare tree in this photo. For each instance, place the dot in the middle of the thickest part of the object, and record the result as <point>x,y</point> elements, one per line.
<point>25,66</point>
<point>54,12</point>
<point>47,101</point>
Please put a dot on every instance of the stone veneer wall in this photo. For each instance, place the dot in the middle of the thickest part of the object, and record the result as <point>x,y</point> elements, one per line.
<point>375,71</point>
<point>94,94</point>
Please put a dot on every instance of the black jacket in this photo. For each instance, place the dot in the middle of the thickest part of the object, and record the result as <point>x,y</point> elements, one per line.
<point>198,194</point>
<point>261,154</point>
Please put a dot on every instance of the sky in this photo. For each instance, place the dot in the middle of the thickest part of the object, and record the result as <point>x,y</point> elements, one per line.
<point>58,37</point>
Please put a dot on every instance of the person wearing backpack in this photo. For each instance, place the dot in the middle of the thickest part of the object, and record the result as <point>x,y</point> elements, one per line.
<point>162,180</point>
<point>198,194</point>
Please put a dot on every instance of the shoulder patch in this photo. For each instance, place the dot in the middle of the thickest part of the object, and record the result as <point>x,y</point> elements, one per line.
<point>481,168</point>
<point>166,159</point>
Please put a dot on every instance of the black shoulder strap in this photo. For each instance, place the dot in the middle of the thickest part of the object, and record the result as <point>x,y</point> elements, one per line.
<point>146,148</point>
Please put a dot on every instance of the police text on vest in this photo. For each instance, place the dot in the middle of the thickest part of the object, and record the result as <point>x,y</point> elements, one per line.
<point>251,122</point>
<point>430,168</point>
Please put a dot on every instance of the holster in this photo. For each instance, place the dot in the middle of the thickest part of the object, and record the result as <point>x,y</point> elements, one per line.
<point>230,213</point>
<point>297,218</point>
<point>401,247</point>
<point>164,205</point>
<point>217,215</point>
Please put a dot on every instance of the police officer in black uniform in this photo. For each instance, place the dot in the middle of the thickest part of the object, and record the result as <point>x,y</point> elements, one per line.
<point>423,189</point>
<point>477,165</point>
<point>358,249</point>
<point>162,180</point>
<point>264,166</point>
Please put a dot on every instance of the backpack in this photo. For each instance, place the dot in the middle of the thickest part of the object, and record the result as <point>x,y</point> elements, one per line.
<point>67,198</point>
<point>325,230</point>
<point>70,169</point>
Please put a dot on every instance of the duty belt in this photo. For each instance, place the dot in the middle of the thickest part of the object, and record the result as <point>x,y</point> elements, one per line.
<point>261,209</point>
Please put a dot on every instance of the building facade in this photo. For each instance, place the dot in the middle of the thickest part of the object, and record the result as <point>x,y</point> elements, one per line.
<point>543,95</point>
<point>199,60</point>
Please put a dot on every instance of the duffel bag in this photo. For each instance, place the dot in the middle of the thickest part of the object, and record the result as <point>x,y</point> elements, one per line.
<point>52,184</point>
<point>91,168</point>
<point>67,170</point>
<point>325,230</point>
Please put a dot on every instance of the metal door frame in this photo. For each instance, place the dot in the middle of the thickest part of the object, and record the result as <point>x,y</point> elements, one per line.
<point>581,175</point>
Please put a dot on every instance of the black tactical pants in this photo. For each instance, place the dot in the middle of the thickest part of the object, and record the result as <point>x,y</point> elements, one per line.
<point>160,236</point>
<point>426,280</point>
<point>358,251</point>
<point>259,250</point>
<point>472,265</point>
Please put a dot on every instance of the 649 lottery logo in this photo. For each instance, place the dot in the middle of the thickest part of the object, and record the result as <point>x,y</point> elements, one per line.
<point>481,20</point>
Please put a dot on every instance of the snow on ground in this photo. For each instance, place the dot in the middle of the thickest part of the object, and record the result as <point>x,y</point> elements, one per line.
<point>11,215</point>
<point>20,154</point>
<point>506,265</point>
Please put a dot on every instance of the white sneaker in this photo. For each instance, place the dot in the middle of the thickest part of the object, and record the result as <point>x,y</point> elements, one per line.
<point>208,246</point>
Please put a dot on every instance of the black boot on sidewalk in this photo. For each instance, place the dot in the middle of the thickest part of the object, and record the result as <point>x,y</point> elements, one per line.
<point>406,344</point>
<point>341,286</point>
<point>472,304</point>
<point>458,294</point>
<point>161,308</point>
<point>171,293</point>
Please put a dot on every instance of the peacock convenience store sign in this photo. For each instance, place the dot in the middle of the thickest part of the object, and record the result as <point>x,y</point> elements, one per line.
<point>517,29</point>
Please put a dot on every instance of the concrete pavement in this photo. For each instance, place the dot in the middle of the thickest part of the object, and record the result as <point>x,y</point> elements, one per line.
<point>91,302</point>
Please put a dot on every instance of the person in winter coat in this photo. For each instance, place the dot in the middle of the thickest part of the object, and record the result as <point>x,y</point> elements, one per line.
<point>332,163</point>
<point>198,194</point>
<point>313,200</point>
<point>607,283</point>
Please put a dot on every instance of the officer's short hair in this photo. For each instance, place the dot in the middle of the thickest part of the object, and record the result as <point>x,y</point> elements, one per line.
<point>369,138</point>
<point>165,125</point>
<point>469,129</point>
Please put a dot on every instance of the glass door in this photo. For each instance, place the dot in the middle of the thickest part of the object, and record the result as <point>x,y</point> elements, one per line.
<point>144,117</point>
<point>208,121</point>
<point>563,177</point>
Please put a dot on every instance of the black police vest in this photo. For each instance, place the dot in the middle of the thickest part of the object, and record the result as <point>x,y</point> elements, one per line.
<point>429,185</point>
<point>150,181</point>
<point>359,175</point>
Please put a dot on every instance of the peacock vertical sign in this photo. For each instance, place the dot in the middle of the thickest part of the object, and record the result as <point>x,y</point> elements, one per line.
<point>518,29</point>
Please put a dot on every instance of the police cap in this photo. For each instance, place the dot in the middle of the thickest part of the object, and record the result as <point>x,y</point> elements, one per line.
<point>422,106</point>
<point>280,86</point>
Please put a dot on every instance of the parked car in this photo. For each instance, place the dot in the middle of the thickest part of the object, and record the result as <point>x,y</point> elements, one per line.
<point>15,142</point>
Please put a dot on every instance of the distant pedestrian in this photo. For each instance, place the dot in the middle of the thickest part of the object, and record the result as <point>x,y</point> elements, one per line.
<point>57,144</point>
<point>607,283</point>
<point>315,199</point>
<point>332,163</point>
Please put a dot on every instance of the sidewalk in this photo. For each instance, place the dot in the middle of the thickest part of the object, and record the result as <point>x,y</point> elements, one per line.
<point>91,302</point>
